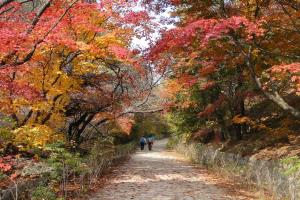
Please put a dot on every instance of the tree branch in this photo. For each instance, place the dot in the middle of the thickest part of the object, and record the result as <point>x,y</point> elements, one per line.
<point>5,2</point>
<point>38,15</point>
<point>29,55</point>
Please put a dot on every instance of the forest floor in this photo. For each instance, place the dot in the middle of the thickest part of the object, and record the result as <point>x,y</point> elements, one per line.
<point>164,175</point>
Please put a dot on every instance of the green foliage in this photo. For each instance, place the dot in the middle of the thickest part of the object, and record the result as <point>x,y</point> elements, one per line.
<point>102,149</point>
<point>291,165</point>
<point>6,134</point>
<point>2,176</point>
<point>185,120</point>
<point>6,137</point>
<point>106,150</point>
<point>43,192</point>
<point>149,124</point>
<point>64,162</point>
<point>172,142</point>
<point>7,122</point>
<point>126,147</point>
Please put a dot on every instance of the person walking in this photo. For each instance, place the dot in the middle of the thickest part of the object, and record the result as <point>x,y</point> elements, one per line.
<point>143,141</point>
<point>150,142</point>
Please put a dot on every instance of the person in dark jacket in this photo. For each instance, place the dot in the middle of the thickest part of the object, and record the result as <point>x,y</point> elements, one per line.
<point>150,142</point>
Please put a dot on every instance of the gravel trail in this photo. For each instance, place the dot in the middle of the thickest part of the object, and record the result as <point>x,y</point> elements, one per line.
<point>160,175</point>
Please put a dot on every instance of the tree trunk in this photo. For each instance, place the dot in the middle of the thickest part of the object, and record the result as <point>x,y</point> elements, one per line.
<point>238,132</point>
<point>80,130</point>
<point>28,116</point>
<point>275,96</point>
<point>77,127</point>
<point>74,125</point>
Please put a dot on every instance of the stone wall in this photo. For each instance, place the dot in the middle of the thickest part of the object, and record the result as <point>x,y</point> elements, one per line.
<point>265,174</point>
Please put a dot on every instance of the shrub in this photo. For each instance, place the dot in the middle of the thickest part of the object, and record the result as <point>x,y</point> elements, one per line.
<point>172,142</point>
<point>6,137</point>
<point>292,166</point>
<point>6,164</point>
<point>43,192</point>
<point>61,160</point>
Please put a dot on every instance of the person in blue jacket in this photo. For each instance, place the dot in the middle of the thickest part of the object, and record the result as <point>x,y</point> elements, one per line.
<point>143,141</point>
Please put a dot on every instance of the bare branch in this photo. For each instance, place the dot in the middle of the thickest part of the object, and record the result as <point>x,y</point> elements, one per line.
<point>38,15</point>
<point>5,2</point>
<point>33,49</point>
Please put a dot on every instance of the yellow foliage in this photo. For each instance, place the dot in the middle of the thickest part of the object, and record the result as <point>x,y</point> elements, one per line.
<point>171,88</point>
<point>56,72</point>
<point>260,127</point>
<point>186,137</point>
<point>238,119</point>
<point>35,136</point>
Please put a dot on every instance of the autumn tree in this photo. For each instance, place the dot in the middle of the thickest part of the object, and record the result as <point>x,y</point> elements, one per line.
<point>69,62</point>
<point>233,48</point>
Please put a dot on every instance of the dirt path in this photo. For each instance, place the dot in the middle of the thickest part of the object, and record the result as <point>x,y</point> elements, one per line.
<point>160,175</point>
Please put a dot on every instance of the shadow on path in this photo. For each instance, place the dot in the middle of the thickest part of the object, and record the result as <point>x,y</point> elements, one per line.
<point>159,175</point>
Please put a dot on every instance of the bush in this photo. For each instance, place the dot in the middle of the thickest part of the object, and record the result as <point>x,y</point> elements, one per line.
<point>62,161</point>
<point>43,192</point>
<point>172,142</point>
<point>292,165</point>
<point>6,137</point>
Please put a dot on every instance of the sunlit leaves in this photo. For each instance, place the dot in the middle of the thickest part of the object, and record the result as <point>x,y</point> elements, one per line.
<point>35,136</point>
<point>286,76</point>
<point>205,30</point>
<point>74,54</point>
